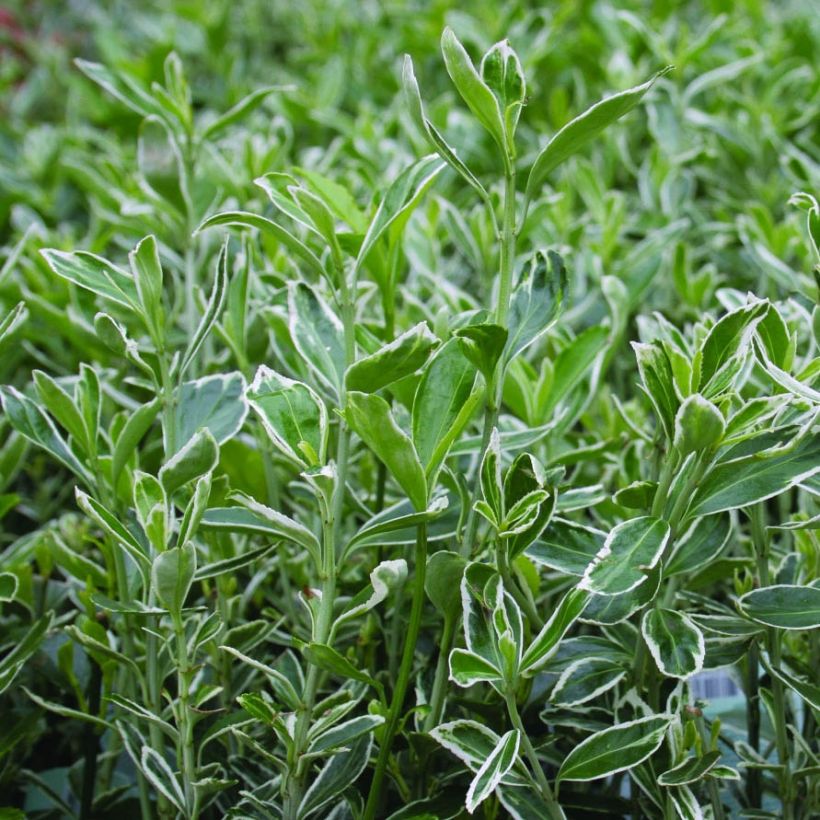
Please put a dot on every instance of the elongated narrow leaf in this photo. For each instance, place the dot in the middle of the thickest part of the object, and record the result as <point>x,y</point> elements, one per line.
<point>784,606</point>
<point>674,641</point>
<point>631,549</point>
<point>28,418</point>
<point>546,642</point>
<point>318,335</point>
<point>96,274</point>
<point>130,436</point>
<point>238,111</point>
<point>343,734</point>
<point>397,517</point>
<point>690,770</point>
<point>274,522</point>
<point>403,356</point>
<point>399,200</point>
<point>578,132</point>
<point>244,219</point>
<point>446,152</point>
<point>338,774</point>
<point>500,761</point>
<point>615,749</point>
<point>370,417</point>
<point>438,408</point>
<point>585,680</point>
<point>213,310</point>
<point>749,479</point>
<point>810,692</point>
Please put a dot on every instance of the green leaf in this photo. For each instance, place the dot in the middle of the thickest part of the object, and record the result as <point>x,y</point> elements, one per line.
<point>403,356</point>
<point>397,517</point>
<point>472,743</point>
<point>499,762</point>
<point>674,642</point>
<point>546,642</point>
<point>8,587</point>
<point>214,403</point>
<point>807,690</point>
<point>585,127</point>
<point>442,581</point>
<point>746,480</point>
<point>398,202</point>
<point>416,108</point>
<point>573,362</point>
<point>567,547</point>
<point>615,749</point>
<point>213,310</point>
<point>199,455</point>
<point>151,505</point>
<point>631,549</point>
<point>482,345</point>
<point>12,662</point>
<point>243,219</point>
<point>318,335</point>
<point>585,679</point>
<point>130,436</point>
<point>489,478</point>
<point>284,688</point>
<point>292,414</point>
<point>265,519</point>
<point>473,90</point>
<point>501,71</point>
<point>327,658</point>
<point>467,668</point>
<point>113,527</point>
<point>698,425</point>
<point>658,381</point>
<point>29,419</point>
<point>342,734</point>
<point>244,107</point>
<point>370,417</point>
<point>727,337</point>
<point>385,577</point>
<point>11,322</point>
<point>228,566</point>
<point>172,575</point>
<point>96,274</point>
<point>784,606</point>
<point>705,539</point>
<point>536,302</point>
<point>62,407</point>
<point>147,272</point>
<point>690,770</point>
<point>66,711</point>
<point>338,774</point>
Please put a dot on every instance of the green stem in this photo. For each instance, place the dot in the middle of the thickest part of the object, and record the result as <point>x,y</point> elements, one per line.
<point>753,785</point>
<point>495,388</point>
<point>440,680</point>
<point>553,810</point>
<point>397,704</point>
<point>760,540</point>
<point>712,786</point>
<point>185,749</point>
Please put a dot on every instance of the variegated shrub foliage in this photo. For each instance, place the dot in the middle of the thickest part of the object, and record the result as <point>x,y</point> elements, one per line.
<point>416,464</point>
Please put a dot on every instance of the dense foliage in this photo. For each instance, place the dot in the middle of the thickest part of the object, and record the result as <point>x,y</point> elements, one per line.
<point>409,412</point>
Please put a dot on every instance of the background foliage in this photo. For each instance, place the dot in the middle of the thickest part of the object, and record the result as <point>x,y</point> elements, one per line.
<point>665,223</point>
